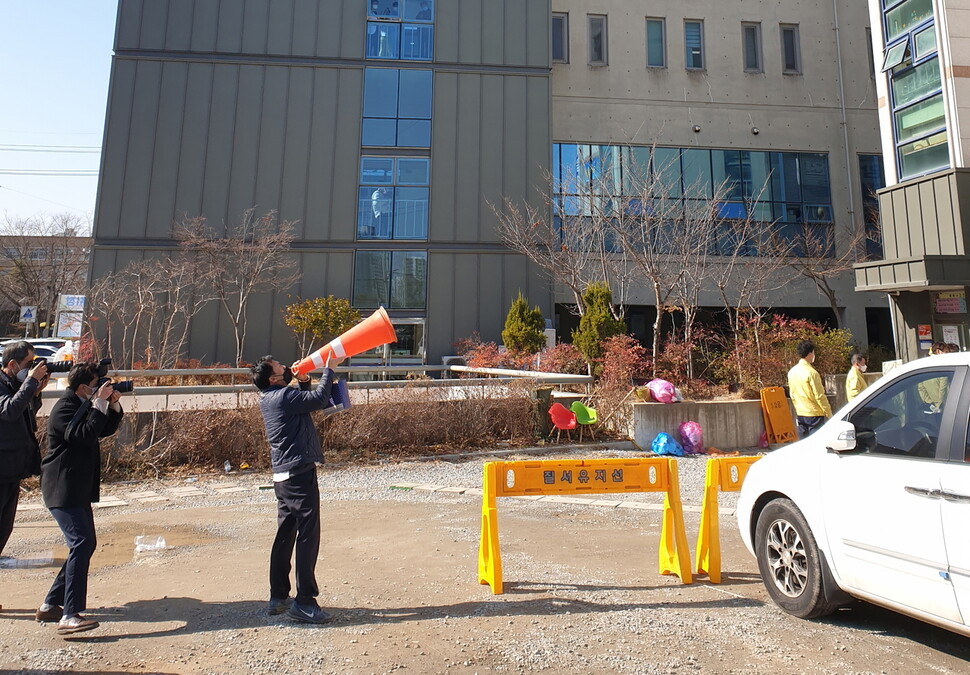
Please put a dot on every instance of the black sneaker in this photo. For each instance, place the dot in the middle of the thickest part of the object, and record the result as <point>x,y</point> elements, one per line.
<point>279,605</point>
<point>308,614</point>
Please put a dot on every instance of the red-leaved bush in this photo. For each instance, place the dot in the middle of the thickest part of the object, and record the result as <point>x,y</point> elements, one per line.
<point>563,358</point>
<point>623,360</point>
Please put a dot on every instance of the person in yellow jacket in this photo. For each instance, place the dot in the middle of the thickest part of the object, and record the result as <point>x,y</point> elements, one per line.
<point>854,381</point>
<point>807,392</point>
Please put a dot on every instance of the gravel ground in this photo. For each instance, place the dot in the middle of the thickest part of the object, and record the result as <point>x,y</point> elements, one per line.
<point>398,567</point>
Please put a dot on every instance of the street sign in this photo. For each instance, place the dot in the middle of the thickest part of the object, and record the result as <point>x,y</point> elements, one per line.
<point>69,324</point>
<point>70,303</point>
<point>28,314</point>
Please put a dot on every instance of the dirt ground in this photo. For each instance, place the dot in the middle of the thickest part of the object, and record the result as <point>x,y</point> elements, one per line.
<point>399,571</point>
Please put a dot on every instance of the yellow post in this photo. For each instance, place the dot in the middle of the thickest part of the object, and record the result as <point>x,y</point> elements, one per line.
<point>674,555</point>
<point>489,557</point>
<point>723,474</point>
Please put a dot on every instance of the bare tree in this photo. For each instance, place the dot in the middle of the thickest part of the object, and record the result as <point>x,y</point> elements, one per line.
<point>249,261</point>
<point>41,258</point>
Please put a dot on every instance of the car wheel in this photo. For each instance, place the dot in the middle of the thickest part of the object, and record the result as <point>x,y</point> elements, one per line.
<point>790,564</point>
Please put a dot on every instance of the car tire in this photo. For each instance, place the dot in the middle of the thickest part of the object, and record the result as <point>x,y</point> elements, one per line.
<point>789,561</point>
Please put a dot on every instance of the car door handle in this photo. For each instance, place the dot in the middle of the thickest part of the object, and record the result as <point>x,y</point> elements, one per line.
<point>955,497</point>
<point>923,492</point>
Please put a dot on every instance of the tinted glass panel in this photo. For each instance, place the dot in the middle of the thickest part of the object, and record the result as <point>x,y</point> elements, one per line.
<point>559,37</point>
<point>757,186</point>
<point>383,40</point>
<point>372,273</point>
<point>667,172</point>
<point>377,170</point>
<point>413,171</point>
<point>789,46</point>
<point>784,177</point>
<point>693,44</point>
<point>905,16</point>
<point>727,173</point>
<point>814,174</point>
<point>924,155</point>
<point>409,275</point>
<point>378,132</point>
<point>411,213</point>
<point>415,94</point>
<point>697,173</point>
<point>375,212</point>
<point>916,83</point>
<point>597,39</point>
<point>752,47</point>
<point>417,42</point>
<point>919,119</point>
<point>380,92</point>
<point>419,10</point>
<point>895,55</point>
<point>925,42</point>
<point>414,133</point>
<point>656,53</point>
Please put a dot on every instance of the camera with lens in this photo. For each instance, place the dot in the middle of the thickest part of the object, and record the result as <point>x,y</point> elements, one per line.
<point>122,387</point>
<point>53,366</point>
<point>103,367</point>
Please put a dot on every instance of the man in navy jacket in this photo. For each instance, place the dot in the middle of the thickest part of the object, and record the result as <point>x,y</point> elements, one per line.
<point>294,452</point>
<point>71,481</point>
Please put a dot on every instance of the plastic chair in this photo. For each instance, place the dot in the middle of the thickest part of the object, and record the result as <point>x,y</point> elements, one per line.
<point>586,417</point>
<point>563,419</point>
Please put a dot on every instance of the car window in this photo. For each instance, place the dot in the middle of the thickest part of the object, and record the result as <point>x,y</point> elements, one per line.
<point>904,418</point>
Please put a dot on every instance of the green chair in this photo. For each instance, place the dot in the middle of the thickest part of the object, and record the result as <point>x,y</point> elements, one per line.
<point>586,417</point>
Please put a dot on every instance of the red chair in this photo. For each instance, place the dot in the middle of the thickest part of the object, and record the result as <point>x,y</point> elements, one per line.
<point>563,419</point>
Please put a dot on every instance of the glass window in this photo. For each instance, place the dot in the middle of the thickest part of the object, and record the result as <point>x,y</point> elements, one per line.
<point>656,43</point>
<point>667,172</point>
<point>694,45</point>
<point>372,278</point>
<point>869,54</point>
<point>784,177</point>
<point>873,178</point>
<point>380,92</point>
<point>905,418</point>
<point>375,212</point>
<point>919,119</point>
<point>727,173</point>
<point>411,213</point>
<point>397,107</point>
<point>757,184</point>
<point>924,155</point>
<point>790,49</point>
<point>597,40</point>
<point>925,42</point>
<point>376,170</point>
<point>397,279</point>
<point>895,55</point>
<point>383,40</point>
<point>751,35</point>
<point>906,15</point>
<point>560,38</point>
<point>413,171</point>
<point>388,212</point>
<point>379,132</point>
<point>916,82</point>
<point>415,97</point>
<point>697,173</point>
<point>636,171</point>
<point>417,42</point>
<point>414,133</point>
<point>419,10</point>
<point>813,169</point>
<point>384,9</point>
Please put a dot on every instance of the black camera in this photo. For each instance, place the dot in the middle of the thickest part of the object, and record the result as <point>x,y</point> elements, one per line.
<point>103,367</point>
<point>122,387</point>
<point>53,366</point>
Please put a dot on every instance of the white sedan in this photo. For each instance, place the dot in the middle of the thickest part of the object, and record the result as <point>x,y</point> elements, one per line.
<point>875,504</point>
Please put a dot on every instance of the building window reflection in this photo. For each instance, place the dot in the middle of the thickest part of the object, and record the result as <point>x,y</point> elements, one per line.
<point>393,279</point>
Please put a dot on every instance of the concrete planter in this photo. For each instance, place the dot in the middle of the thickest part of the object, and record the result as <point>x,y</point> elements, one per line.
<point>726,424</point>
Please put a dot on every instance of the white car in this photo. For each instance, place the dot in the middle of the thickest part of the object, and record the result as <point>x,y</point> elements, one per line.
<point>875,504</point>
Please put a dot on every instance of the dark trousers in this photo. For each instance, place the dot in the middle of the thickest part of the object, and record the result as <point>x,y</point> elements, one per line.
<point>70,588</point>
<point>806,425</point>
<point>298,519</point>
<point>9,496</point>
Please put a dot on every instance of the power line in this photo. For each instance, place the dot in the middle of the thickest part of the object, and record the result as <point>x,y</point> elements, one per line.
<point>48,172</point>
<point>50,148</point>
<point>27,194</point>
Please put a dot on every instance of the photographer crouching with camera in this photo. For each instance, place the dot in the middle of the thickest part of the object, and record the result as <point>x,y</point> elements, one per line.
<point>89,410</point>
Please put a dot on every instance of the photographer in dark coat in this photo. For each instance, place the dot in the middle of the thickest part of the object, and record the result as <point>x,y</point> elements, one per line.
<point>71,481</point>
<point>21,382</point>
<point>294,451</point>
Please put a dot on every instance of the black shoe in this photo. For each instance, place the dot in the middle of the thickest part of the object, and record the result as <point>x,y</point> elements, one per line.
<point>308,614</point>
<point>54,613</point>
<point>279,605</point>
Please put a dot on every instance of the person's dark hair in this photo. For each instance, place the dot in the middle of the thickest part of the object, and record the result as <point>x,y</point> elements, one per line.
<point>857,358</point>
<point>805,347</point>
<point>938,347</point>
<point>82,373</point>
<point>950,348</point>
<point>16,351</point>
<point>262,371</point>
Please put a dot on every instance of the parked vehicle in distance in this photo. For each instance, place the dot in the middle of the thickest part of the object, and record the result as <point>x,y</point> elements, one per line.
<point>53,343</point>
<point>875,505</point>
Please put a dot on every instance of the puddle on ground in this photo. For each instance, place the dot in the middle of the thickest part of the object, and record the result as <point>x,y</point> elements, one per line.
<point>116,542</point>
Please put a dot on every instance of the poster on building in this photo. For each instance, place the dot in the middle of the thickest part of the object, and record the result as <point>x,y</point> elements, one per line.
<point>69,324</point>
<point>951,302</point>
<point>924,331</point>
<point>951,335</point>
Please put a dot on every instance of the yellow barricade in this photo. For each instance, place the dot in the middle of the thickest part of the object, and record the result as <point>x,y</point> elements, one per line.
<point>590,476</point>
<point>779,425</point>
<point>724,474</point>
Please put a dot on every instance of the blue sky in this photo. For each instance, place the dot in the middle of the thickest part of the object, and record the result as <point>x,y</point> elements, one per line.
<point>55,61</point>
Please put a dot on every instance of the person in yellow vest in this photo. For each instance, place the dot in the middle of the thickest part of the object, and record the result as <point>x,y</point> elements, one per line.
<point>854,381</point>
<point>807,392</point>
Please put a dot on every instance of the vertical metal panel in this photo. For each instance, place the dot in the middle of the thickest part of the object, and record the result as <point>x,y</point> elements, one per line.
<point>537,41</point>
<point>230,25</point>
<point>141,149</point>
<point>446,37</point>
<point>255,26</point>
<point>538,138</point>
<point>493,131</point>
<point>305,22</point>
<point>129,24</point>
<point>331,26</point>
<point>468,157</point>
<point>442,308</point>
<point>279,38</point>
<point>493,301</point>
<point>165,162</point>
<point>914,218</point>
<point>296,152</point>
<point>322,141</point>
<point>353,21</point>
<point>272,130</point>
<point>347,155</point>
<point>493,28</point>
<point>516,32</point>
<point>178,34</point>
<point>195,131</point>
<point>205,25</point>
<point>928,224</point>
<point>111,184</point>
<point>444,158</point>
<point>245,143</point>
<point>218,156</point>
<point>900,232</point>
<point>470,31</point>
<point>960,210</point>
<point>515,142</point>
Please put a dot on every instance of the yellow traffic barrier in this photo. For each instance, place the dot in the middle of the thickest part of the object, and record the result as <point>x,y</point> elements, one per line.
<point>589,476</point>
<point>779,425</point>
<point>723,474</point>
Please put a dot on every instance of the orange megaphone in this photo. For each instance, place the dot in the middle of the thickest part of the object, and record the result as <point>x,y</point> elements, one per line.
<point>374,331</point>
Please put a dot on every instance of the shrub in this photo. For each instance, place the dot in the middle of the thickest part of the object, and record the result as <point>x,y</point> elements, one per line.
<point>597,323</point>
<point>463,346</point>
<point>524,327</point>
<point>319,320</point>
<point>876,354</point>
<point>563,358</point>
<point>485,355</point>
<point>624,359</point>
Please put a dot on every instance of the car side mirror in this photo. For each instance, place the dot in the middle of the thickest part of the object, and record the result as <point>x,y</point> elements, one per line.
<point>838,436</point>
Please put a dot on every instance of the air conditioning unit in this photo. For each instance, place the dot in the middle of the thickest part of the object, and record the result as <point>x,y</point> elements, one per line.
<point>453,361</point>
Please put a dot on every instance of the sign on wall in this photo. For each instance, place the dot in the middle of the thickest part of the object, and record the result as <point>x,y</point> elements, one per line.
<point>28,314</point>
